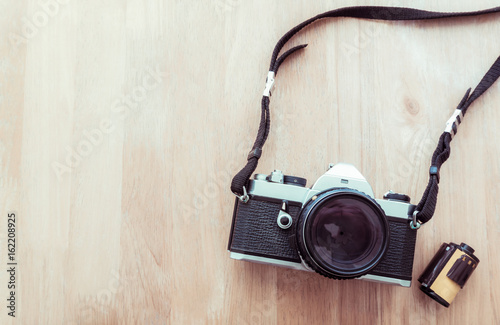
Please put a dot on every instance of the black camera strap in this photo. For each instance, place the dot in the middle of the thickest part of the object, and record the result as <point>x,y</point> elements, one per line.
<point>425,208</point>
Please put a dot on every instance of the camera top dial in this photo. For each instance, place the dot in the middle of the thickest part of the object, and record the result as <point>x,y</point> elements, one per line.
<point>278,177</point>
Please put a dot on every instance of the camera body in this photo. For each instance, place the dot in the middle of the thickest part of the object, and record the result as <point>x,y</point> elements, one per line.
<point>336,228</point>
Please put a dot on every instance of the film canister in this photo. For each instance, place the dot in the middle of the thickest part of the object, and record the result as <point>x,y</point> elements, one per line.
<point>448,272</point>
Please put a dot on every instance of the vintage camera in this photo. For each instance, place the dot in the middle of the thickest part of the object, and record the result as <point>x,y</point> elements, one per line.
<point>336,228</point>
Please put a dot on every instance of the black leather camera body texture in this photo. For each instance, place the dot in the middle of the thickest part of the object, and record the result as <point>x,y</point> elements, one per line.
<point>255,232</point>
<point>398,259</point>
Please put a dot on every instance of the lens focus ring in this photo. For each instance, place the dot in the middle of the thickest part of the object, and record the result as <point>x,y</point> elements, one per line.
<point>342,234</point>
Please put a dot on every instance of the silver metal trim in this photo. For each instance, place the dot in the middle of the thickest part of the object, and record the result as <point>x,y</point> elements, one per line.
<point>385,280</point>
<point>277,191</point>
<point>414,224</point>
<point>244,198</point>
<point>301,267</point>
<point>342,175</point>
<point>330,179</point>
<point>394,209</point>
<point>269,84</point>
<point>260,177</point>
<point>267,260</point>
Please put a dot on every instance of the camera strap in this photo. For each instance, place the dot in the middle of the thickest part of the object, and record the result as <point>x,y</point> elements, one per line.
<point>425,208</point>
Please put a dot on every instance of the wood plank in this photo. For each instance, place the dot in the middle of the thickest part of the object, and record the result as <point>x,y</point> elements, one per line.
<point>122,124</point>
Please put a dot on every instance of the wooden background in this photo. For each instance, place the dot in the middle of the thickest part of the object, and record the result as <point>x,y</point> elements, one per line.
<point>122,123</point>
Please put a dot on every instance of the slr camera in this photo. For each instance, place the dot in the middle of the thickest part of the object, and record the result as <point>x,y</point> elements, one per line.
<point>335,228</point>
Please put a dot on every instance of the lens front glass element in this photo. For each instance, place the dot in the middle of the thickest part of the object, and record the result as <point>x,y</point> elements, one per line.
<point>346,233</point>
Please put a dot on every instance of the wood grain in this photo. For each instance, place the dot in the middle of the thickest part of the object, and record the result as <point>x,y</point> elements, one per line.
<point>122,123</point>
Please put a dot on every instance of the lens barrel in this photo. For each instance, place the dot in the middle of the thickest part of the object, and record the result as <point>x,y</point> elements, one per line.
<point>342,233</point>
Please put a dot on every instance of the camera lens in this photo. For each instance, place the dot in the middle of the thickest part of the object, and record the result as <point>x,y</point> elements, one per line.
<point>343,233</point>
